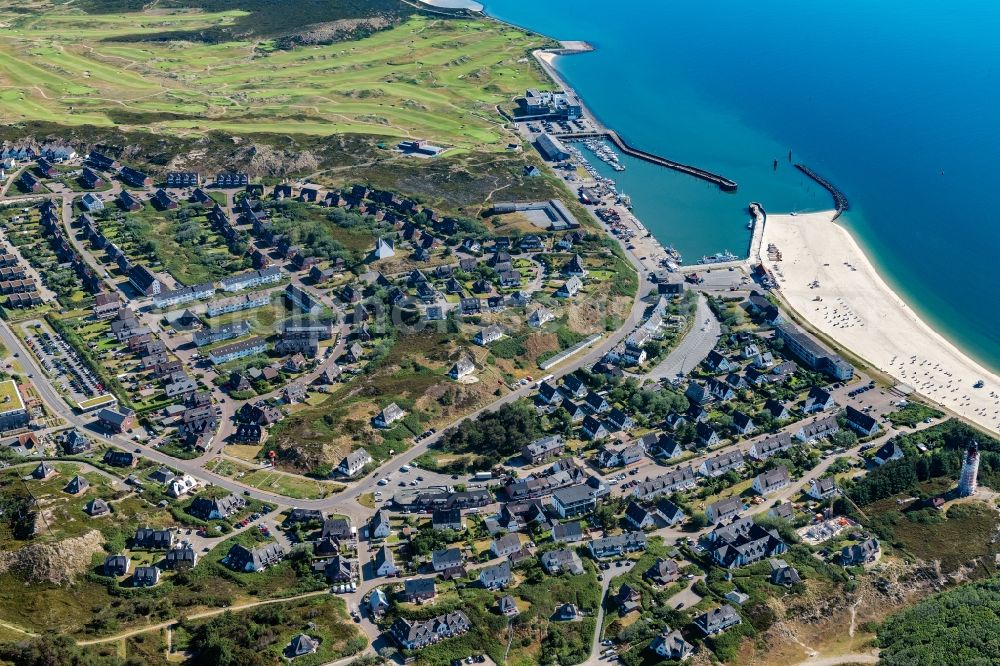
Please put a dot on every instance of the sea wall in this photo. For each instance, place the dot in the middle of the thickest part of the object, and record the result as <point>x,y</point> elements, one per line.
<point>839,198</point>
<point>725,184</point>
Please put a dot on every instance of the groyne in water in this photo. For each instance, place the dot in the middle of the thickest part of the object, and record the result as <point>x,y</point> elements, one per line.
<point>724,183</point>
<point>839,198</point>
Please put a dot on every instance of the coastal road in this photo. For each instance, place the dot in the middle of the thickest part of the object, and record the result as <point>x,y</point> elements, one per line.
<point>693,347</point>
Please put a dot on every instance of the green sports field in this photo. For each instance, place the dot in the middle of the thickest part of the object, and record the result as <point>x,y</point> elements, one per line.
<point>425,78</point>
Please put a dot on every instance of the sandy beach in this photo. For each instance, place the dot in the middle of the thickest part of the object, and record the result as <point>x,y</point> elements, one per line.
<point>828,280</point>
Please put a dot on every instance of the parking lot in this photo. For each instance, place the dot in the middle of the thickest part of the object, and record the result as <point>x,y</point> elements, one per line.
<point>61,362</point>
<point>724,280</point>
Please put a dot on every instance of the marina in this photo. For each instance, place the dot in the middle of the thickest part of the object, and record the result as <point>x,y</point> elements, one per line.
<point>614,209</point>
<point>568,137</point>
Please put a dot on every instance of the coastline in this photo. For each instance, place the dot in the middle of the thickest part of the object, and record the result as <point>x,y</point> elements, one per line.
<point>872,320</point>
<point>860,311</point>
<point>648,249</point>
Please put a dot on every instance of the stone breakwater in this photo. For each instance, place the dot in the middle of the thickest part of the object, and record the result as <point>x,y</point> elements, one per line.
<point>840,202</point>
<point>725,184</point>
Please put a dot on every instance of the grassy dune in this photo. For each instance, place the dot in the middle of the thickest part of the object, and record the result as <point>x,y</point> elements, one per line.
<point>425,78</point>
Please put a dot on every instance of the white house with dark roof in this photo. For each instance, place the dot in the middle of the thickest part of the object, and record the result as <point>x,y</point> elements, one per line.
<point>379,526</point>
<point>784,511</point>
<point>384,564</point>
<point>507,606</point>
<point>666,447</point>
<point>416,634</point>
<point>574,500</point>
<point>354,462</point>
<point>817,429</point>
<point>540,317</point>
<point>567,532</point>
<point>505,545</point>
<point>543,449</point>
<point>860,422</point>
<point>679,479</point>
<point>463,367</point>
<point>488,334</point>
<point>782,573</point>
<point>818,400</point>
<point>116,565</point>
<point>671,645</point>
<point>722,463</point>
<point>496,577</point>
<point>446,559</point>
<point>772,480</point>
<point>724,509</point>
<point>419,589</point>
<point>146,576</point>
<point>570,288</point>
<point>594,428</point>
<point>388,416</point>
<point>717,620</point>
<point>639,517</point>
<point>615,546</point>
<point>861,554</point>
<point>742,423</point>
<point>823,488</point>
<point>706,434</point>
<point>888,452</point>
<point>556,562</point>
<point>762,449</point>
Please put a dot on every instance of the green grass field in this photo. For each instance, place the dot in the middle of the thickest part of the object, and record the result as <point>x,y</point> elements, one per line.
<point>296,487</point>
<point>425,78</point>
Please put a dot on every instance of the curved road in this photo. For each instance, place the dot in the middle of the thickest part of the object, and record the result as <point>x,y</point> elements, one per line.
<point>693,347</point>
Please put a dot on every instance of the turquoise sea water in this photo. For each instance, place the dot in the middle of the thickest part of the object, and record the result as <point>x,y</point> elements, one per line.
<point>894,102</point>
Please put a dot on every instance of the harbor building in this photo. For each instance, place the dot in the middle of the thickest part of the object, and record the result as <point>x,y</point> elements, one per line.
<point>551,148</point>
<point>543,103</point>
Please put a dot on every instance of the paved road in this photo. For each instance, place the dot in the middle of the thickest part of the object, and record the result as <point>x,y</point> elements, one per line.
<point>595,645</point>
<point>687,596</point>
<point>690,351</point>
<point>693,347</point>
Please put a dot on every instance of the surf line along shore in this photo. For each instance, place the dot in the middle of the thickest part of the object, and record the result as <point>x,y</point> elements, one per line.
<point>827,279</point>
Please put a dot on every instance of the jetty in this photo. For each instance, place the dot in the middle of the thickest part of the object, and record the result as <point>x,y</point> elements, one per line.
<point>725,184</point>
<point>757,235</point>
<point>753,258</point>
<point>840,202</point>
<point>602,132</point>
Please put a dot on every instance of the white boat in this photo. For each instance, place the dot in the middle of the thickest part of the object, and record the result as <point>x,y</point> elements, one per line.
<point>718,258</point>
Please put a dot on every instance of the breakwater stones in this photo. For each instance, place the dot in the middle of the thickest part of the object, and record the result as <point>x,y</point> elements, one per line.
<point>840,201</point>
<point>725,184</point>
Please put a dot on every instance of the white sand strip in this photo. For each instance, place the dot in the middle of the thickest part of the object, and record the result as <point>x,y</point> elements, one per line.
<point>861,312</point>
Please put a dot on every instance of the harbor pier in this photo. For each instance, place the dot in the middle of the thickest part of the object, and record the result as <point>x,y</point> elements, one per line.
<point>725,184</point>
<point>602,132</point>
<point>840,202</point>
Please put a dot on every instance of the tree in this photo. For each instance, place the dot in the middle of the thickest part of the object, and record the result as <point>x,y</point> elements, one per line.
<point>698,520</point>
<point>495,435</point>
<point>844,438</point>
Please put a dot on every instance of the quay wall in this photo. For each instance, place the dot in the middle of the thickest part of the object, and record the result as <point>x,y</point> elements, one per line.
<point>725,184</point>
<point>757,235</point>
